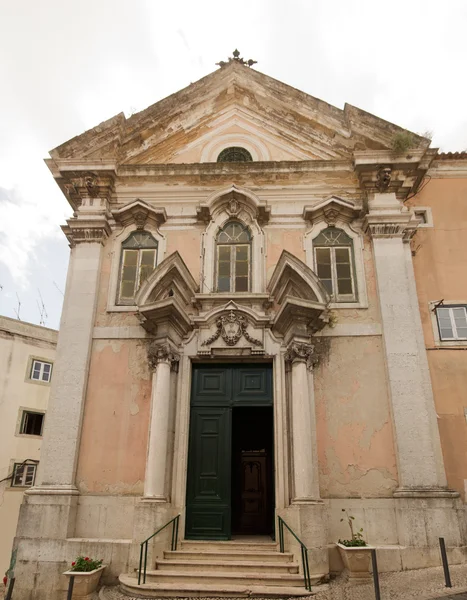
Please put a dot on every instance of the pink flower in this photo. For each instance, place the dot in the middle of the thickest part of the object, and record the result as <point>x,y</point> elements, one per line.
<point>73,564</point>
<point>87,558</point>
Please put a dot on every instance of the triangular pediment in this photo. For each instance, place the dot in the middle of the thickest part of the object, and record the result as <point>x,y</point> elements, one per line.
<point>234,103</point>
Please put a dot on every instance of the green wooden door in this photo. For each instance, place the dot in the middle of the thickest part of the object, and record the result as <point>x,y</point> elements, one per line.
<point>215,391</point>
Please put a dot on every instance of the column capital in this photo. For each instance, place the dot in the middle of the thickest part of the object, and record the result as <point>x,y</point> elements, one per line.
<point>162,353</point>
<point>299,352</point>
<point>387,217</point>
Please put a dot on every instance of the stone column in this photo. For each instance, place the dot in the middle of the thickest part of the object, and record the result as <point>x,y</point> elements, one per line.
<point>304,449</point>
<point>161,358</point>
<point>420,462</point>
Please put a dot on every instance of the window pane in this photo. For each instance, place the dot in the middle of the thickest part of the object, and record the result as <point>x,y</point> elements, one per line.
<point>323,256</point>
<point>241,269</point>
<point>324,271</point>
<point>29,479</point>
<point>462,333</point>
<point>36,370</point>
<point>344,286</point>
<point>459,317</point>
<point>224,253</point>
<point>342,255</point>
<point>242,252</point>
<point>127,289</point>
<point>444,320</point>
<point>343,271</point>
<point>241,284</point>
<point>224,269</point>
<point>18,477</point>
<point>223,284</point>
<point>130,257</point>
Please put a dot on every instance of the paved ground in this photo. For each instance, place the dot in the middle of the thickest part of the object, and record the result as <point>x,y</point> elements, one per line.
<point>422,584</point>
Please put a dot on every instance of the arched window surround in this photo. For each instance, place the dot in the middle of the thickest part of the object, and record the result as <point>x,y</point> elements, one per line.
<point>118,238</point>
<point>356,236</point>
<point>245,211</point>
<point>238,153</point>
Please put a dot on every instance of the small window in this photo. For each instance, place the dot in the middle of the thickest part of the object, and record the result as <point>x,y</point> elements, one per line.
<point>41,371</point>
<point>334,263</point>
<point>234,154</point>
<point>139,258</point>
<point>233,258</point>
<point>31,423</point>
<point>23,475</point>
<point>452,322</point>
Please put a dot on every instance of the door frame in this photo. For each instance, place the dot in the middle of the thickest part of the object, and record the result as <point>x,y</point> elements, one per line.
<point>182,393</point>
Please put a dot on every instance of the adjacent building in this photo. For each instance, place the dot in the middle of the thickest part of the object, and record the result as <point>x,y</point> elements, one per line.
<point>27,356</point>
<point>242,338</point>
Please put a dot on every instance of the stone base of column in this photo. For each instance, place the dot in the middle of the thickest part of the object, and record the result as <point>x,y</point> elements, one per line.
<point>155,499</point>
<point>309,520</point>
<point>48,513</point>
<point>418,492</point>
<point>53,490</point>
<point>307,501</point>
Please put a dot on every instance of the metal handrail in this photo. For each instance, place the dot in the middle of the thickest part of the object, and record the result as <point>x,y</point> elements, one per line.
<point>145,544</point>
<point>305,565</point>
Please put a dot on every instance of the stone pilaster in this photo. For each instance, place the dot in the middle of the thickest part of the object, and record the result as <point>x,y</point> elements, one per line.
<point>420,463</point>
<point>161,358</point>
<point>87,232</point>
<point>299,356</point>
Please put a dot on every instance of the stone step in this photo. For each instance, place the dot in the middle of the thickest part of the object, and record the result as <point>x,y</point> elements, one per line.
<point>129,585</point>
<point>226,554</point>
<point>226,566</point>
<point>227,578</point>
<point>214,546</point>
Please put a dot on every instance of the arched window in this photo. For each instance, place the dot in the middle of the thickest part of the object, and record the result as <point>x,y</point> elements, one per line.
<point>333,250</point>
<point>234,154</point>
<point>138,260</point>
<point>233,258</point>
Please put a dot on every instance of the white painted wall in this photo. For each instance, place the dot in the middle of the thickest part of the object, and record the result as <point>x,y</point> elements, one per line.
<point>18,343</point>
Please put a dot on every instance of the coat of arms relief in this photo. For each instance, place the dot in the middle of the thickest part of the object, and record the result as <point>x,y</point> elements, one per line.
<point>231,327</point>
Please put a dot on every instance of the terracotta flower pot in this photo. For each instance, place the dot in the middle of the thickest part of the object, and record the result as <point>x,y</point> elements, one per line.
<point>85,582</point>
<point>357,560</point>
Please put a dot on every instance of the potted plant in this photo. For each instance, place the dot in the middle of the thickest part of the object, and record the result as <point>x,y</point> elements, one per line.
<point>355,552</point>
<point>87,573</point>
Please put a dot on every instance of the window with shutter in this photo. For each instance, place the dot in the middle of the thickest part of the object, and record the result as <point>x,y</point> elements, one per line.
<point>333,252</point>
<point>233,258</point>
<point>139,259</point>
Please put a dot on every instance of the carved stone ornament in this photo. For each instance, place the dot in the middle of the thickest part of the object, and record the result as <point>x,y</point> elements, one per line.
<point>140,217</point>
<point>162,353</point>
<point>233,207</point>
<point>231,328</point>
<point>331,215</point>
<point>383,179</point>
<point>90,182</point>
<point>237,58</point>
<point>298,352</point>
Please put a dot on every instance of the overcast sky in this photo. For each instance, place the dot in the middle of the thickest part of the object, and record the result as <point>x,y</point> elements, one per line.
<point>67,65</point>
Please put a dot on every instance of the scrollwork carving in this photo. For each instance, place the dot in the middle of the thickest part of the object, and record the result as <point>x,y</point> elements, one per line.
<point>231,328</point>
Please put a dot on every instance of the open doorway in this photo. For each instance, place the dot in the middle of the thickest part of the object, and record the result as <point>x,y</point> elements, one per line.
<point>252,471</point>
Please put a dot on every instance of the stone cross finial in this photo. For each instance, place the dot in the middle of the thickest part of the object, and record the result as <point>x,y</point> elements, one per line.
<point>236,57</point>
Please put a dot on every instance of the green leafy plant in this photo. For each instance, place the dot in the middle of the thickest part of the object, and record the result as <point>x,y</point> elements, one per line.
<point>356,538</point>
<point>402,141</point>
<point>85,564</point>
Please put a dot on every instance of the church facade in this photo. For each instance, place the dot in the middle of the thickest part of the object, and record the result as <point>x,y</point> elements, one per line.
<point>241,337</point>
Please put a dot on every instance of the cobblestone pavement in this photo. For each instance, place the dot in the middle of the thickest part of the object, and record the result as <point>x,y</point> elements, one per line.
<point>422,584</point>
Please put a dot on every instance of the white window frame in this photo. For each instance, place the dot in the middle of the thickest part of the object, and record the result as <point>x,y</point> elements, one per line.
<point>116,257</point>
<point>28,469</point>
<point>23,418</point>
<point>444,343</point>
<point>344,298</point>
<point>356,236</point>
<point>451,308</point>
<point>131,301</point>
<point>42,372</point>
